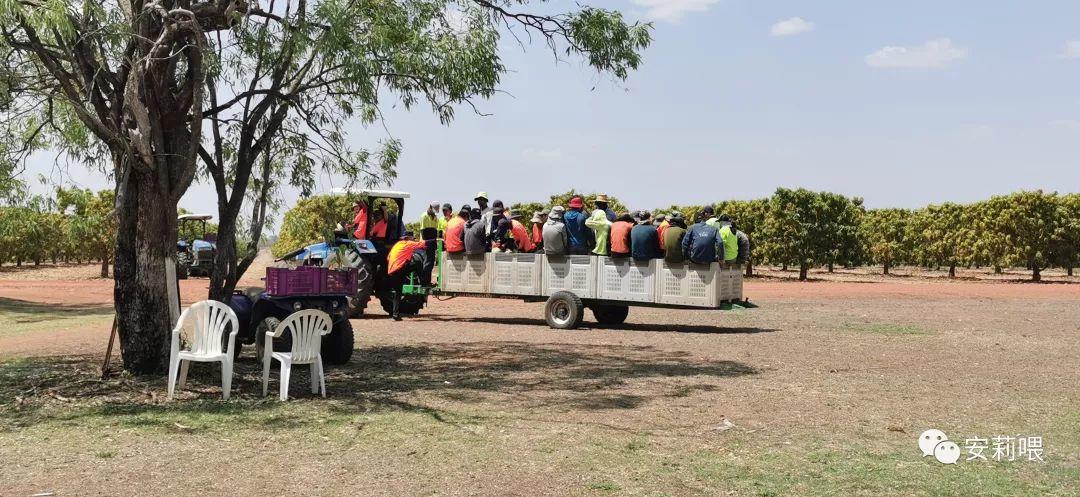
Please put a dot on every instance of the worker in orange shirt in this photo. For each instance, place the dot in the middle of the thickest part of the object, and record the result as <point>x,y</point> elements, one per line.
<point>454,236</point>
<point>520,234</point>
<point>360,220</point>
<point>538,220</point>
<point>406,257</point>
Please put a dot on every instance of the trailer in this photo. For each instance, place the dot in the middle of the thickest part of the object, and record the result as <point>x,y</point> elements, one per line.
<point>607,286</point>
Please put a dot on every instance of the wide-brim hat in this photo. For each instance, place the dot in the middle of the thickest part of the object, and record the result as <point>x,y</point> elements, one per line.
<point>481,195</point>
<point>601,198</point>
<point>536,217</point>
<point>556,212</point>
<point>576,203</point>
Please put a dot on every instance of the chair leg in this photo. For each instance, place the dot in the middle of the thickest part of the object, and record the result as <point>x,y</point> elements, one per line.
<point>286,371</point>
<point>322,377</point>
<point>266,373</point>
<point>314,368</point>
<point>174,364</point>
<point>183,372</point>
<point>226,379</point>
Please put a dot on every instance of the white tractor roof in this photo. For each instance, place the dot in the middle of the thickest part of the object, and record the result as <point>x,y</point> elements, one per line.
<point>369,192</point>
<point>195,217</point>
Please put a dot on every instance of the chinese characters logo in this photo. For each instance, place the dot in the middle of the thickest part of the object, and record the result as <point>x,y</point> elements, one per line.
<point>999,448</point>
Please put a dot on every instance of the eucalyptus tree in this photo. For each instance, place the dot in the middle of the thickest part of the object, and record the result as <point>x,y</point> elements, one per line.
<point>146,90</point>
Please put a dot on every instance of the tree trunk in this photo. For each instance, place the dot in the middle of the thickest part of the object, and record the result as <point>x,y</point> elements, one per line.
<point>952,270</point>
<point>783,267</point>
<point>803,269</point>
<point>997,269</point>
<point>1069,271</point>
<point>886,266</point>
<point>145,236</point>
<point>750,268</point>
<point>223,276</point>
<point>830,266</point>
<point>105,266</point>
<point>1036,273</point>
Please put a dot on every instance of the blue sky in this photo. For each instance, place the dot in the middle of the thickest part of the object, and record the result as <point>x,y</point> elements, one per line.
<point>902,103</point>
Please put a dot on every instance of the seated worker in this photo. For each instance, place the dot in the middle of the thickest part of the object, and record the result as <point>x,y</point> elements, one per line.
<point>581,237</point>
<point>620,235</point>
<point>491,218</point>
<point>360,220</point>
<point>601,203</point>
<point>661,221</point>
<point>520,235</point>
<point>537,236</point>
<point>644,239</point>
<point>454,236</point>
<point>702,242</point>
<point>406,257</point>
<point>556,240</point>
<point>601,227</point>
<point>744,246</point>
<point>475,237</point>
<point>672,238</point>
<point>729,241</point>
<point>447,216</point>
<point>501,239</point>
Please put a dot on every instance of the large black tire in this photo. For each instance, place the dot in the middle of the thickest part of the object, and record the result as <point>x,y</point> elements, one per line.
<point>337,347</point>
<point>610,314</point>
<point>365,282</point>
<point>410,304</point>
<point>183,265</point>
<point>564,310</point>
<point>281,344</point>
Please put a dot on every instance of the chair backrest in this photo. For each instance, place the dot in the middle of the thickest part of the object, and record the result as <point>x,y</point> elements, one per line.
<point>210,321</point>
<point>306,329</point>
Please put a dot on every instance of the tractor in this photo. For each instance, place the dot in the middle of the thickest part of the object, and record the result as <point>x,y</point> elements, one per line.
<point>367,256</point>
<point>194,255</point>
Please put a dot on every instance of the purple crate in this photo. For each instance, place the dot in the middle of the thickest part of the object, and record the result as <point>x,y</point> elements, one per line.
<point>304,280</point>
<point>341,281</point>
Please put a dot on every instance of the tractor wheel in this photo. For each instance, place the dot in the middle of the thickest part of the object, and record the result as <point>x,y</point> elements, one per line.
<point>183,265</point>
<point>365,282</point>
<point>281,344</point>
<point>610,314</point>
<point>337,346</point>
<point>564,310</point>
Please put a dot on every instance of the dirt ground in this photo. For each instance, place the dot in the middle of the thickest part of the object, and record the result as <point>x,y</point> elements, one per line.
<point>823,390</point>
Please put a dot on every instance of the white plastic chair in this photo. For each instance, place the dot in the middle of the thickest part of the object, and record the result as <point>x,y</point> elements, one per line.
<point>306,329</point>
<point>209,319</point>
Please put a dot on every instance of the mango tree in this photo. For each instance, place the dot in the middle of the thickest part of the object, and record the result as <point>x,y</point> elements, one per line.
<point>884,236</point>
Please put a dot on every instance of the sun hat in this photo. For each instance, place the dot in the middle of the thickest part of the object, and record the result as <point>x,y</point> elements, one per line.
<point>600,197</point>
<point>576,203</point>
<point>480,195</point>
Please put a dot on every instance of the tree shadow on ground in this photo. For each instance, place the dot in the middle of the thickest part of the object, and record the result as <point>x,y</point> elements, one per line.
<point>24,311</point>
<point>512,375</point>
<point>657,327</point>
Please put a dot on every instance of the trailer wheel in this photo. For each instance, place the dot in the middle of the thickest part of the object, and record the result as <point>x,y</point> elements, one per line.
<point>564,311</point>
<point>337,346</point>
<point>610,314</point>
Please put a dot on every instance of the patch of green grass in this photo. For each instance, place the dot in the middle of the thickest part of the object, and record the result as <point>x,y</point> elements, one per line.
<point>21,317</point>
<point>887,329</point>
<point>105,454</point>
<point>606,486</point>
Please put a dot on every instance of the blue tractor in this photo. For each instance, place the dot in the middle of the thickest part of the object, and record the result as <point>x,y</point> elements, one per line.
<point>368,256</point>
<point>194,255</point>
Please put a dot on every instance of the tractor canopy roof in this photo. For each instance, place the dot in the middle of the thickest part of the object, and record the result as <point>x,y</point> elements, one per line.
<point>195,217</point>
<point>370,193</point>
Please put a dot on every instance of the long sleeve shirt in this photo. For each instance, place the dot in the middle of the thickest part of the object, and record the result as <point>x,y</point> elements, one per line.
<point>600,226</point>
<point>580,236</point>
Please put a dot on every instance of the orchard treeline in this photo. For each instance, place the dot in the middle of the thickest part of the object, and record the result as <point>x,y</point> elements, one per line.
<point>805,229</point>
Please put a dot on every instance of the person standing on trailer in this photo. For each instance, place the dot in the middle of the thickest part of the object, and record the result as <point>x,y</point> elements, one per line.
<point>537,229</point>
<point>581,237</point>
<point>454,236</point>
<point>672,239</point>
<point>556,239</point>
<point>620,235</point>
<point>406,257</point>
<point>644,239</point>
<point>429,232</point>
<point>475,237</point>
<point>482,202</point>
<point>447,215</point>
<point>600,225</point>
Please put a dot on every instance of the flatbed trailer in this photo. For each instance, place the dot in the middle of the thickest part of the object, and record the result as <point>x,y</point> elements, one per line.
<point>570,284</point>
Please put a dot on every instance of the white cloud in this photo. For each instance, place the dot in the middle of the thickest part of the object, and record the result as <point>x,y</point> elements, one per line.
<point>932,54</point>
<point>542,155</point>
<point>673,10</point>
<point>1069,125</point>
<point>793,26</point>
<point>1071,50</point>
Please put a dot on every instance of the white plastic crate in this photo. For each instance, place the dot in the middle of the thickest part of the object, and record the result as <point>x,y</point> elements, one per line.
<point>626,279</point>
<point>574,273</point>
<point>464,273</point>
<point>515,273</point>
<point>688,284</point>
<point>736,284</point>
